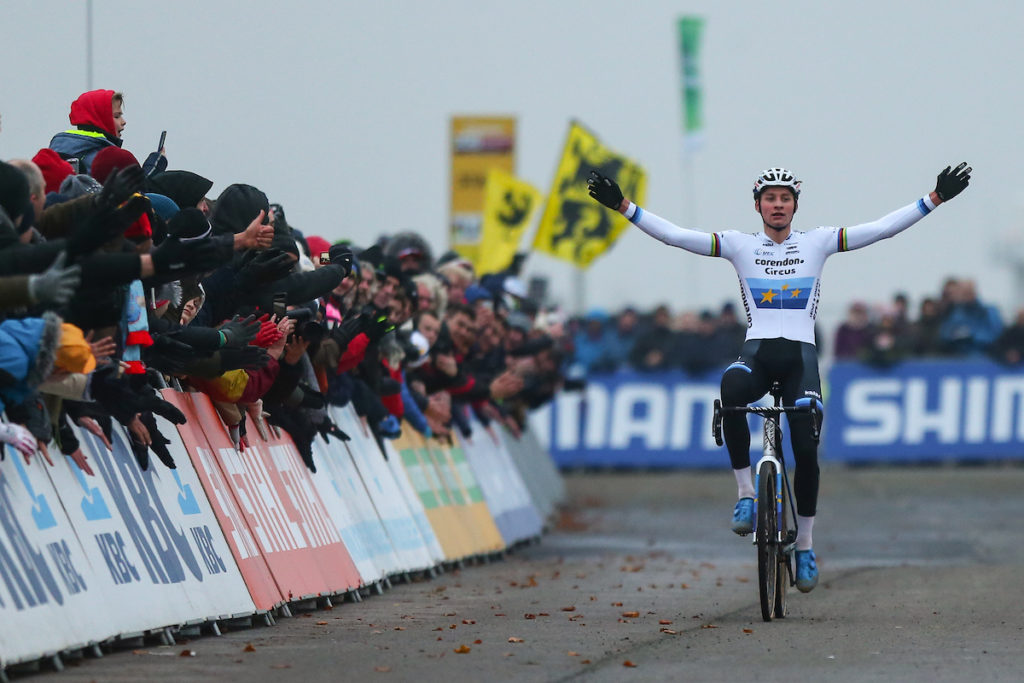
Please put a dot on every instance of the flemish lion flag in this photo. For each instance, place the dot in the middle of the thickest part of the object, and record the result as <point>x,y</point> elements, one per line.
<point>509,206</point>
<point>574,227</point>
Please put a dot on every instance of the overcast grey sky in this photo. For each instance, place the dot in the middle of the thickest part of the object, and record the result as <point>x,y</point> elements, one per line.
<point>340,110</point>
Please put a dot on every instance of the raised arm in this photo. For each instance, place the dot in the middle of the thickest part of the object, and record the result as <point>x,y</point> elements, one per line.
<point>607,192</point>
<point>949,184</point>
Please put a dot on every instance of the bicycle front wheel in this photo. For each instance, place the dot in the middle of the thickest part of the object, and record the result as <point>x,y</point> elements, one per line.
<point>767,547</point>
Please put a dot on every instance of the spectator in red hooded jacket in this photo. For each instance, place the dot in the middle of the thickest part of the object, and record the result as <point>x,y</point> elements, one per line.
<point>98,117</point>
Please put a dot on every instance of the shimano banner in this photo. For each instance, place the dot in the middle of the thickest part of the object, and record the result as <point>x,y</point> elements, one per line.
<point>911,412</point>
<point>924,410</point>
<point>634,420</point>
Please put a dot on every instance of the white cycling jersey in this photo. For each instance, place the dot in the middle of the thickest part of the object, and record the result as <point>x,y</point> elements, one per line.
<point>780,283</point>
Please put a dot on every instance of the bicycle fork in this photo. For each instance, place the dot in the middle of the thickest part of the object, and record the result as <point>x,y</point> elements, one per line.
<point>769,456</point>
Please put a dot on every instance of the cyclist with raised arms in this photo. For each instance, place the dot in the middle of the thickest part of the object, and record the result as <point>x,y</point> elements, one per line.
<point>780,280</point>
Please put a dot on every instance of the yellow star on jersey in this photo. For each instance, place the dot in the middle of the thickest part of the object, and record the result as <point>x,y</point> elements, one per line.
<point>796,293</point>
<point>768,296</point>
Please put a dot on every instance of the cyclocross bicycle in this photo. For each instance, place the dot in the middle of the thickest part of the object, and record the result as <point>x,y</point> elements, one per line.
<point>774,529</point>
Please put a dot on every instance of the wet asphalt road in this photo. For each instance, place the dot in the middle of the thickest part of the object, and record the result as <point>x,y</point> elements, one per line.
<point>641,580</point>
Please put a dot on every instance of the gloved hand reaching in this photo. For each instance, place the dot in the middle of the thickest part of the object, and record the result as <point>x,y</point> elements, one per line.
<point>263,267</point>
<point>238,332</point>
<point>57,284</point>
<point>246,358</point>
<point>174,257</point>
<point>121,184</point>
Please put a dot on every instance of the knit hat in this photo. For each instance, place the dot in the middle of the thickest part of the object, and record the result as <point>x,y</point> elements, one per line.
<point>54,169</point>
<point>109,158</point>
<point>74,353</point>
<point>184,187</point>
<point>76,185</point>
<point>164,206</point>
<point>237,207</point>
<point>189,224</point>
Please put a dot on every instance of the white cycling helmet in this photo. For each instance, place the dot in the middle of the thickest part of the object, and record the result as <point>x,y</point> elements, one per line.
<point>776,177</point>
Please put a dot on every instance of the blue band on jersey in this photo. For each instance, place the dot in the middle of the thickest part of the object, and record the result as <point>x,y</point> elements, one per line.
<point>741,366</point>
<point>635,218</point>
<point>923,208</point>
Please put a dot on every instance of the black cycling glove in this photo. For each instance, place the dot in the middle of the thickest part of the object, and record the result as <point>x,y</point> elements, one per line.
<point>604,190</point>
<point>950,183</point>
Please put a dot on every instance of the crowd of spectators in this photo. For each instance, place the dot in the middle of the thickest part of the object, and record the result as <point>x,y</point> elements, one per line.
<point>953,324</point>
<point>693,342</point>
<point>118,279</point>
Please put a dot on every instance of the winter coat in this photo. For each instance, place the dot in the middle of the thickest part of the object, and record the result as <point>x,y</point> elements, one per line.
<point>28,347</point>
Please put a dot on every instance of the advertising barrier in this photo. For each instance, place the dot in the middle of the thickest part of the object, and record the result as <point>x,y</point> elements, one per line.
<point>227,533</point>
<point>915,411</point>
<point>924,410</point>
<point>510,503</point>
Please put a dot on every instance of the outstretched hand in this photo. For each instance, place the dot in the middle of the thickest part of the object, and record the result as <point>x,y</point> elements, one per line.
<point>952,182</point>
<point>604,190</point>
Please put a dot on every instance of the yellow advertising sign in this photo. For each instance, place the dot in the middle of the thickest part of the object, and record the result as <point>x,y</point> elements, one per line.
<point>509,207</point>
<point>479,143</point>
<point>574,227</point>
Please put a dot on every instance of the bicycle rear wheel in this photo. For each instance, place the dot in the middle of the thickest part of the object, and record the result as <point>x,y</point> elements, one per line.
<point>767,547</point>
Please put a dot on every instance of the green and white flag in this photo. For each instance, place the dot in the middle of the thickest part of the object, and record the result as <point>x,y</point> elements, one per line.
<point>690,29</point>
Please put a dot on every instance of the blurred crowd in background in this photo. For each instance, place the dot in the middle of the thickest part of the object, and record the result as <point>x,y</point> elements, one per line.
<point>954,324</point>
<point>119,279</point>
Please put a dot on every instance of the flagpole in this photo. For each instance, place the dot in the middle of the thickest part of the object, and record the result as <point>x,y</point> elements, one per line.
<point>580,285</point>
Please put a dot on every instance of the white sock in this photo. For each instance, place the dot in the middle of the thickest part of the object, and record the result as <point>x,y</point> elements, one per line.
<point>744,485</point>
<point>805,527</point>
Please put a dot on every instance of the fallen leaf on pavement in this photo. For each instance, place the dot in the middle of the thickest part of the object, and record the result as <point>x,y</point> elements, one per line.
<point>664,622</point>
<point>513,639</point>
<point>628,663</point>
<point>616,604</point>
<point>708,626</point>
<point>478,642</point>
<point>668,631</point>
<point>461,649</point>
<point>631,615</point>
<point>529,616</point>
<point>321,623</point>
<point>382,669</point>
<point>187,653</point>
<point>249,647</point>
<point>573,654</point>
<point>571,608</point>
<point>748,630</point>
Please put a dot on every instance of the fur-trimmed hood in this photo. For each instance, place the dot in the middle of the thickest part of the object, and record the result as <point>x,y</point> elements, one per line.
<point>28,348</point>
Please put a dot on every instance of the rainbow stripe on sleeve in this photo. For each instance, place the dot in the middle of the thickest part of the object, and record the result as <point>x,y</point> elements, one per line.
<point>843,246</point>
<point>716,244</point>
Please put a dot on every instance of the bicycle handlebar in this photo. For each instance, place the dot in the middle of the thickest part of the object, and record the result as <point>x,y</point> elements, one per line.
<point>812,409</point>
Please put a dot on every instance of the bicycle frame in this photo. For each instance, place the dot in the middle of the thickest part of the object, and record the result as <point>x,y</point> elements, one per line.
<point>773,454</point>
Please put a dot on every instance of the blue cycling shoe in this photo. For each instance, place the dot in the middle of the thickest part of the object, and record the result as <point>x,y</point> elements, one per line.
<point>743,516</point>
<point>806,571</point>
